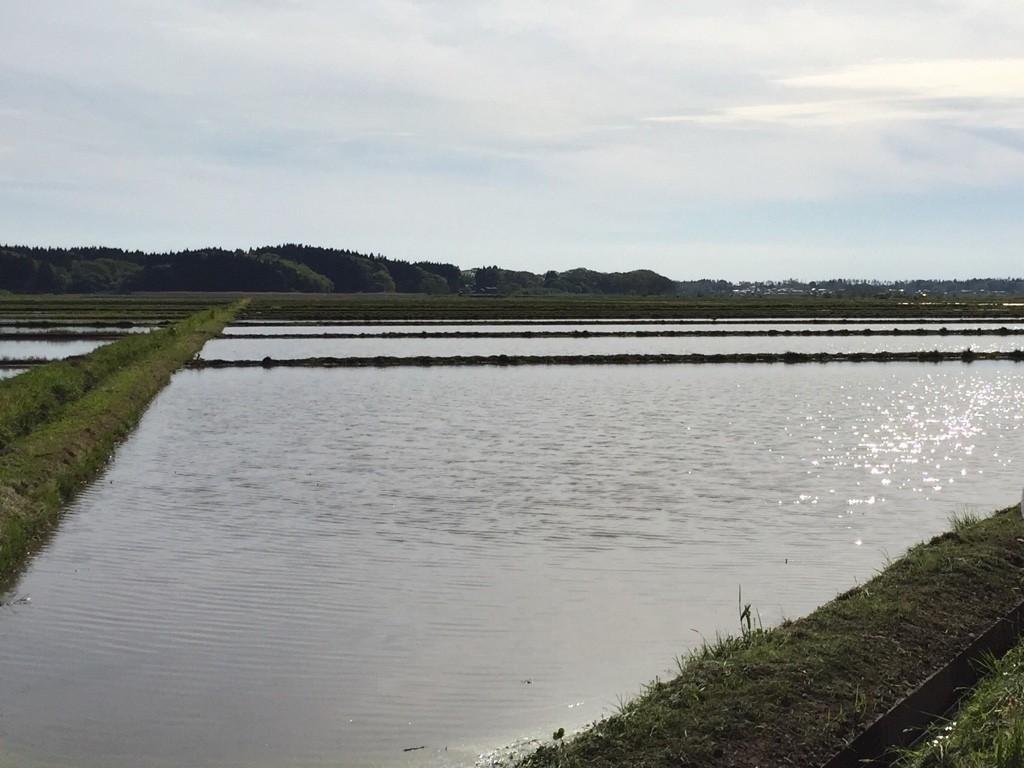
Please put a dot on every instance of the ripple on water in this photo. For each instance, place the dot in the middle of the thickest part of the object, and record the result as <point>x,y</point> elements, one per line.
<point>327,567</point>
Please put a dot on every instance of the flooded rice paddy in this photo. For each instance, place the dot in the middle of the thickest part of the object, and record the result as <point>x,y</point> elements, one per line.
<point>302,567</point>
<point>29,343</point>
<point>291,349</point>
<point>287,342</point>
<point>45,350</point>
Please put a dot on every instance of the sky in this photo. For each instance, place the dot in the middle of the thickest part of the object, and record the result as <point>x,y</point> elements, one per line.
<point>728,139</point>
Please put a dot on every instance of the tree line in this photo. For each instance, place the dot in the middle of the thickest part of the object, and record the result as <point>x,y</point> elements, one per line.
<point>310,269</point>
<point>289,267</point>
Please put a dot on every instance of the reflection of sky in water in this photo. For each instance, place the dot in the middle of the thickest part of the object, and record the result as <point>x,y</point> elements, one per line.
<point>241,348</point>
<point>358,561</point>
<point>46,350</point>
<point>918,439</point>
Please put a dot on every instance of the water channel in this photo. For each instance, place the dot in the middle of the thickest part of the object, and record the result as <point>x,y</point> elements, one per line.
<point>303,567</point>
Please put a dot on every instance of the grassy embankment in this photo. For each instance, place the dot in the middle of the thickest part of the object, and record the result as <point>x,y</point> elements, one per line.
<point>798,693</point>
<point>60,422</point>
<point>988,729</point>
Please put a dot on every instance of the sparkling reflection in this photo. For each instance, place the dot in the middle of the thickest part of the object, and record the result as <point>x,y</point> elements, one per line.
<point>326,567</point>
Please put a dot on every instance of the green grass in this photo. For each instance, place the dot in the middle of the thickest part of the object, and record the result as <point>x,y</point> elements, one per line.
<point>37,396</point>
<point>963,521</point>
<point>796,694</point>
<point>988,729</point>
<point>59,423</point>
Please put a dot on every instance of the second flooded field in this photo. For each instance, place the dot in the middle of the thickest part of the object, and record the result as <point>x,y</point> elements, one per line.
<point>331,567</point>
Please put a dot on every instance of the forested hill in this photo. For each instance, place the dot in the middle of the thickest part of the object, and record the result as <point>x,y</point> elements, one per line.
<point>288,268</point>
<point>310,269</point>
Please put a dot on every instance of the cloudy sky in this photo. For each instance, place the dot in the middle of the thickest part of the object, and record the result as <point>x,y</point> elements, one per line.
<point>734,139</point>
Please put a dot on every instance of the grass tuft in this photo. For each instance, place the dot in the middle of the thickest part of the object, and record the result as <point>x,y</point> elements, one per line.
<point>962,522</point>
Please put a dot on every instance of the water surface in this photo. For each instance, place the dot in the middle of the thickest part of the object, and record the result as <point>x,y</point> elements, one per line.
<point>241,348</point>
<point>301,567</point>
<point>46,350</point>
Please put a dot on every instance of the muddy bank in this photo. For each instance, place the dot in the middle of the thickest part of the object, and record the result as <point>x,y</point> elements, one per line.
<point>933,356</point>
<point>592,334</point>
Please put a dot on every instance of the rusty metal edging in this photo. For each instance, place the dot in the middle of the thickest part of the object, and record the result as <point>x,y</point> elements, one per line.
<point>902,725</point>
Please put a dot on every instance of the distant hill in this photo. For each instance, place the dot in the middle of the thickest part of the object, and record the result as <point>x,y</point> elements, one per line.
<point>310,269</point>
<point>289,267</point>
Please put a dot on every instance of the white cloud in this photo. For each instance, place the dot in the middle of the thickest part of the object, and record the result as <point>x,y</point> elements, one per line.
<point>968,90</point>
<point>540,121</point>
<point>943,78</point>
